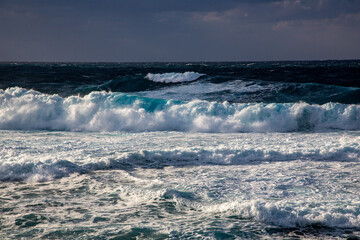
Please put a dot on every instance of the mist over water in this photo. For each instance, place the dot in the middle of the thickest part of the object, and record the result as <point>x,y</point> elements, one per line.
<point>180,150</point>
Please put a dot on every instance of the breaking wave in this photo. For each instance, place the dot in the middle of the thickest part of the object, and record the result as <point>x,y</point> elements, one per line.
<point>290,215</point>
<point>23,109</point>
<point>26,167</point>
<point>174,77</point>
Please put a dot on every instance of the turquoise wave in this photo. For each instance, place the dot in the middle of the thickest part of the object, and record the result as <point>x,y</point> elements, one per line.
<point>23,109</point>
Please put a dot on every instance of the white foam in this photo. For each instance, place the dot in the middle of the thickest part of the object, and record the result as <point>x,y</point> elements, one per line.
<point>203,90</point>
<point>174,77</point>
<point>185,182</point>
<point>288,214</point>
<point>101,111</point>
<point>45,157</point>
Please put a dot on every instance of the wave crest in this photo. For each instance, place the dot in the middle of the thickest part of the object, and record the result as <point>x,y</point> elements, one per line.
<point>48,166</point>
<point>101,111</point>
<point>174,77</point>
<point>289,216</point>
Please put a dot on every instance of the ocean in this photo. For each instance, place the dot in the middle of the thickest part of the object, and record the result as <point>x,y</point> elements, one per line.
<point>228,150</point>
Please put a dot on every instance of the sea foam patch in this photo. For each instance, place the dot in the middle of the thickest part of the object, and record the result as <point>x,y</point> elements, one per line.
<point>43,156</point>
<point>275,181</point>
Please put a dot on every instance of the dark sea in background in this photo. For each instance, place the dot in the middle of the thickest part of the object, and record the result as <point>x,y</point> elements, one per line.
<point>239,82</point>
<point>228,150</point>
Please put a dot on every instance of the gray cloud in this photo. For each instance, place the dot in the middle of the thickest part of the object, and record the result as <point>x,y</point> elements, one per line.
<point>173,30</point>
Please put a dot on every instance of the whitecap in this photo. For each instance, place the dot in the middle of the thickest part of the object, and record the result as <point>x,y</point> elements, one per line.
<point>174,77</point>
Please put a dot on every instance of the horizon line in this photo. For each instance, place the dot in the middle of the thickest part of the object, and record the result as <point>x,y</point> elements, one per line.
<point>220,61</point>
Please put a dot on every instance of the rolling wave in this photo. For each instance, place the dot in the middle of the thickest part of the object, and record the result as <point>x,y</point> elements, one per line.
<point>47,166</point>
<point>23,109</point>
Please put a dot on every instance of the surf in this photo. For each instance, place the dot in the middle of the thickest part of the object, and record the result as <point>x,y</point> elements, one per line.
<point>23,109</point>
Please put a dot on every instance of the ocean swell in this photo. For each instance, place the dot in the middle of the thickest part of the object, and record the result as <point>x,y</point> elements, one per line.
<point>22,109</point>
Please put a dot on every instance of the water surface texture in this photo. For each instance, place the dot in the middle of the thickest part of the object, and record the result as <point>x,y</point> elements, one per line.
<point>244,150</point>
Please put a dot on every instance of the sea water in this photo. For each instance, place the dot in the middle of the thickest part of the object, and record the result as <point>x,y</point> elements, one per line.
<point>263,150</point>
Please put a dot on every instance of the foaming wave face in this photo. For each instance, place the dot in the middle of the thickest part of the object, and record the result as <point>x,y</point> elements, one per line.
<point>43,155</point>
<point>23,109</point>
<point>174,77</point>
<point>253,182</point>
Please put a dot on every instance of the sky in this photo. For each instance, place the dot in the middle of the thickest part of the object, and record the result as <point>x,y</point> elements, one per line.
<point>178,30</point>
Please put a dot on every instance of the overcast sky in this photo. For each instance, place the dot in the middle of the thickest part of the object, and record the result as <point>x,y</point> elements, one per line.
<point>179,30</point>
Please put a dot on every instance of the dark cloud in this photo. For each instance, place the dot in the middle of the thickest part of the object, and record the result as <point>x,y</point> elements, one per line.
<point>174,30</point>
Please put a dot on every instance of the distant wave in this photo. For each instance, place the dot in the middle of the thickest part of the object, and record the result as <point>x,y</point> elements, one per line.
<point>174,77</point>
<point>22,109</point>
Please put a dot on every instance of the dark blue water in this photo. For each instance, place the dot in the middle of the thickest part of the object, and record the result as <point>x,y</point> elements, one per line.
<point>307,81</point>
